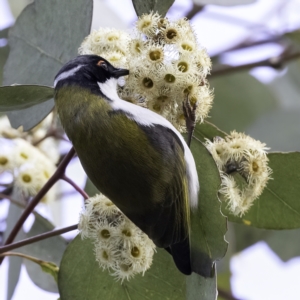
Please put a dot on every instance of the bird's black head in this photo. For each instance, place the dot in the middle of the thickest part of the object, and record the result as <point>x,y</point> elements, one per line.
<point>87,71</point>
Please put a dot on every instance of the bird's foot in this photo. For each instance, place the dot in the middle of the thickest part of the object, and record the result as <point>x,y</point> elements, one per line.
<point>189,111</point>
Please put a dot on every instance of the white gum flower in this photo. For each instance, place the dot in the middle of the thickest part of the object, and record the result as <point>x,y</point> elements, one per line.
<point>116,58</point>
<point>219,151</point>
<point>203,61</point>
<point>84,225</point>
<point>159,52</point>
<point>171,33</point>
<point>255,167</point>
<point>6,162</point>
<point>231,193</point>
<point>145,81</point>
<point>135,47</point>
<point>154,53</point>
<point>186,46</point>
<point>148,23</point>
<point>127,232</point>
<point>123,271</point>
<point>106,255</point>
<point>104,232</point>
<point>139,256</point>
<point>28,179</point>
<point>249,159</point>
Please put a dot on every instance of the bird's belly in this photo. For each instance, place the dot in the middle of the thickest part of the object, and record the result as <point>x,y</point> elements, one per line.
<point>123,167</point>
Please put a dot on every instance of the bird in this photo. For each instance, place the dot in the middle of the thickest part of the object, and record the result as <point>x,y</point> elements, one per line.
<point>132,155</point>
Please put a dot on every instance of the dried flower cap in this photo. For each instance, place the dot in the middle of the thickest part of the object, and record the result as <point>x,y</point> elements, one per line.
<point>239,155</point>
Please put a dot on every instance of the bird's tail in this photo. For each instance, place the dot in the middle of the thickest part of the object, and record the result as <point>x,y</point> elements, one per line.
<point>181,256</point>
<point>189,260</point>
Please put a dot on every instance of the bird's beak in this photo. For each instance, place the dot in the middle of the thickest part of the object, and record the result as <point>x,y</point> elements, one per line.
<point>120,72</point>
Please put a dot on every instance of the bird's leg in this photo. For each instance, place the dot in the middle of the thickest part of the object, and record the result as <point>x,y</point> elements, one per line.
<point>189,111</point>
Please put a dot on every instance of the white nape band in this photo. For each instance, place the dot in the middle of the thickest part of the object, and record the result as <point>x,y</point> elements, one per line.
<point>66,74</point>
<point>147,117</point>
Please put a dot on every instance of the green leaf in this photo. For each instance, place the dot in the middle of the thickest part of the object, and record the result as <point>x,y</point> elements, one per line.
<point>30,117</point>
<point>4,33</point>
<point>146,6</point>
<point>90,188</point>
<point>278,128</point>
<point>46,35</point>
<point>14,263</point>
<point>49,250</point>
<point>50,268</point>
<point>239,100</point>
<point>246,236</point>
<point>23,96</point>
<point>80,277</point>
<point>207,130</point>
<point>200,288</point>
<point>46,266</point>
<point>208,225</point>
<point>3,57</point>
<point>278,207</point>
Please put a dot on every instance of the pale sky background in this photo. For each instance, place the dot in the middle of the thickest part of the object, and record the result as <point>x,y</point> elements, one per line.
<point>258,273</point>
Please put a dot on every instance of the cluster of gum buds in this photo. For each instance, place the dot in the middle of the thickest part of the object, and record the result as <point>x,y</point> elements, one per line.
<point>239,156</point>
<point>120,246</point>
<point>167,66</point>
<point>29,165</point>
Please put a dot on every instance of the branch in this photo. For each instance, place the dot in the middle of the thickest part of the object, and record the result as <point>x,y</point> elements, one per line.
<point>51,133</point>
<point>75,186</point>
<point>37,238</point>
<point>194,11</point>
<point>55,177</point>
<point>273,62</point>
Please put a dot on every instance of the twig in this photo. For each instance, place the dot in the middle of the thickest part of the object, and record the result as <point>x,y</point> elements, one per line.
<point>194,11</point>
<point>6,192</point>
<point>18,203</point>
<point>37,238</point>
<point>50,133</point>
<point>75,186</point>
<point>274,62</point>
<point>55,177</point>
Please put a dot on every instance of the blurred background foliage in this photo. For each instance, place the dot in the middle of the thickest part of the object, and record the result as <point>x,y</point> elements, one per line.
<point>268,111</point>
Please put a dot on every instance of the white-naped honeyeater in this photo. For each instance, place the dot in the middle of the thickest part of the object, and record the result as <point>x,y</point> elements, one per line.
<point>132,155</point>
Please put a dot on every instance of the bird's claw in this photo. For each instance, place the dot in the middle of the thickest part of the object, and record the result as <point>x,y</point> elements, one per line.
<point>189,111</point>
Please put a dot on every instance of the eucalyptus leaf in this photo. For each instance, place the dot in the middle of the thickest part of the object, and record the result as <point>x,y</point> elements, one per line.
<point>239,100</point>
<point>90,188</point>
<point>198,287</point>
<point>246,236</point>
<point>146,6</point>
<point>207,130</point>
<point>80,277</point>
<point>14,263</point>
<point>279,128</point>
<point>30,117</point>
<point>208,225</point>
<point>49,250</point>
<point>278,207</point>
<point>4,33</point>
<point>23,96</point>
<point>3,57</point>
<point>46,35</point>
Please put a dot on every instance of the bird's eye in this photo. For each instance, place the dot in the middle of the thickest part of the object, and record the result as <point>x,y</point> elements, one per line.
<point>102,64</point>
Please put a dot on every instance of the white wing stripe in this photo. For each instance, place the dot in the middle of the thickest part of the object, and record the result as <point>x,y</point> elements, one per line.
<point>146,117</point>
